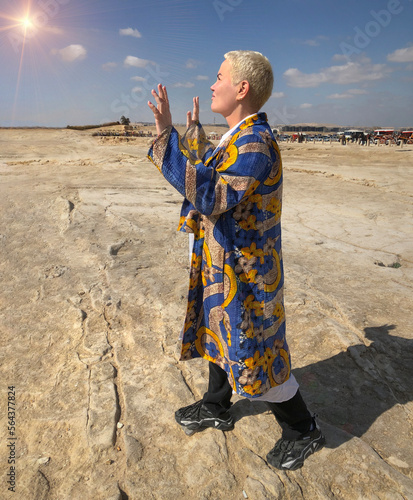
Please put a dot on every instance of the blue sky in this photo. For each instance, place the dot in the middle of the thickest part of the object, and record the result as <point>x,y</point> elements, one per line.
<point>90,61</point>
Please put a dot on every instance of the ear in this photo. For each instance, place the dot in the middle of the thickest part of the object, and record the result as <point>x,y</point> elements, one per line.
<point>243,89</point>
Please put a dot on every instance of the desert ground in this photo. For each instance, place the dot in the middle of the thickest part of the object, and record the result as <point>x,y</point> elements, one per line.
<point>93,293</point>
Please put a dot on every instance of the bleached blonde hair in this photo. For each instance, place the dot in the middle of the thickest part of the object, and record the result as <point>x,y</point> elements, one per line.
<point>256,69</point>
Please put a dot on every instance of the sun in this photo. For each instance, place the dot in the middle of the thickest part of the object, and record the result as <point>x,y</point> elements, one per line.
<point>26,23</point>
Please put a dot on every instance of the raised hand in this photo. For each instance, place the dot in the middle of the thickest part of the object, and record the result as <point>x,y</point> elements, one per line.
<point>194,116</point>
<point>161,112</point>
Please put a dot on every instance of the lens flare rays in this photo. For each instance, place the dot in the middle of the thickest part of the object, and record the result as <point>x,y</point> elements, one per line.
<point>19,28</point>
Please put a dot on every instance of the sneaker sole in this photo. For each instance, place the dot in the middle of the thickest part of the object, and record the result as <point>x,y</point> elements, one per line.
<point>193,427</point>
<point>191,432</point>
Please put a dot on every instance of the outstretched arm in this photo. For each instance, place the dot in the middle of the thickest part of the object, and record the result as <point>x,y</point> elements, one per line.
<point>195,139</point>
<point>213,187</point>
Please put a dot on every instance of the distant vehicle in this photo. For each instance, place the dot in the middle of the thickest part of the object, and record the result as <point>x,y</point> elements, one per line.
<point>353,135</point>
<point>406,136</point>
<point>383,131</point>
<point>383,136</point>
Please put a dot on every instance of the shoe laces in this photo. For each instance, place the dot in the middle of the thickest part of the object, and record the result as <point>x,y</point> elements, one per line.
<point>192,410</point>
<point>286,445</point>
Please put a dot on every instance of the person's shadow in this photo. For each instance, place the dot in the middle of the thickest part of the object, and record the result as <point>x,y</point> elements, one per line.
<point>351,389</point>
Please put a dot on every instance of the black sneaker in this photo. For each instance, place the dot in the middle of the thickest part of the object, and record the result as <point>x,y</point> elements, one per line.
<point>194,417</point>
<point>290,455</point>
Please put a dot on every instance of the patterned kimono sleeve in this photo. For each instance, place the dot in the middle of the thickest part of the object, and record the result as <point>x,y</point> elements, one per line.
<point>218,185</point>
<point>196,141</point>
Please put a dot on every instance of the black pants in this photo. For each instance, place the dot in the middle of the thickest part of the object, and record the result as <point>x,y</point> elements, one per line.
<point>292,415</point>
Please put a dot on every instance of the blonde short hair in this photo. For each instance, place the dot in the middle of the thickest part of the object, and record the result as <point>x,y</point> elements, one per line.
<point>256,69</point>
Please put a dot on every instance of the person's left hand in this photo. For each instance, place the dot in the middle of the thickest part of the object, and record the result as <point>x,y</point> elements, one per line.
<point>161,112</point>
<point>194,117</point>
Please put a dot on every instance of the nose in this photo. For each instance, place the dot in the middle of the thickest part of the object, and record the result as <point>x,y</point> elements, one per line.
<point>212,87</point>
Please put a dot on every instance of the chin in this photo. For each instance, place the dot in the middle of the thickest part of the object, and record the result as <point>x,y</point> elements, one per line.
<point>214,108</point>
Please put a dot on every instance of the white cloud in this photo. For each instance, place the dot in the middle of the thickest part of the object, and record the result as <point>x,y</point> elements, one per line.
<point>352,72</point>
<point>137,62</point>
<point>315,42</point>
<point>340,57</point>
<point>130,32</point>
<point>401,55</point>
<point>277,95</point>
<point>340,96</point>
<point>54,30</point>
<point>349,94</point>
<point>137,89</point>
<point>305,105</point>
<point>202,77</point>
<point>138,78</point>
<point>312,43</point>
<point>109,66</point>
<point>192,63</point>
<point>71,53</point>
<point>186,85</point>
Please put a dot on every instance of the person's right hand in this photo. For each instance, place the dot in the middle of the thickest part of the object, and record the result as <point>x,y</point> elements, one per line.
<point>161,112</point>
<point>194,116</point>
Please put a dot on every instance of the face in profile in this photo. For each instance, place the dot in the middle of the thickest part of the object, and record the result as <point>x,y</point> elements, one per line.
<point>224,93</point>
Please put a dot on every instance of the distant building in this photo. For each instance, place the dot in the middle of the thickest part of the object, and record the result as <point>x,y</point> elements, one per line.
<point>302,127</point>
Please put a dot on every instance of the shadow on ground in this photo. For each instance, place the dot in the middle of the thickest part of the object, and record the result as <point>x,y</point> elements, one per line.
<point>352,389</point>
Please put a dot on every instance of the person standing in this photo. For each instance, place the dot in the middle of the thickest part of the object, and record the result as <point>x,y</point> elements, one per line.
<point>232,206</point>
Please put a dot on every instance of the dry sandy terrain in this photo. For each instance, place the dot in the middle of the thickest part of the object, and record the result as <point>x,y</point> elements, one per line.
<point>93,282</point>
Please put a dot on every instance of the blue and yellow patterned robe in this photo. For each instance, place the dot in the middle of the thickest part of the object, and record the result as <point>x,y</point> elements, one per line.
<point>235,316</point>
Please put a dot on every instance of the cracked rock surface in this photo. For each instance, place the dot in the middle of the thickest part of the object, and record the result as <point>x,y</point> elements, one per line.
<point>93,292</point>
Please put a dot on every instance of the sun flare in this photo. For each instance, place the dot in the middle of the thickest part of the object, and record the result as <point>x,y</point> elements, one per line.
<point>26,23</point>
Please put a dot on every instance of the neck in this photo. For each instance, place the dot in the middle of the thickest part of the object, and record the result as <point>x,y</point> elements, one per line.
<point>238,115</point>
